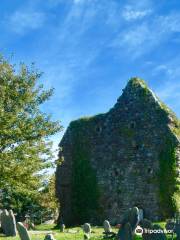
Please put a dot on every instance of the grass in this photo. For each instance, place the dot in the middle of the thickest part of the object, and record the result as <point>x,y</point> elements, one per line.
<point>75,233</point>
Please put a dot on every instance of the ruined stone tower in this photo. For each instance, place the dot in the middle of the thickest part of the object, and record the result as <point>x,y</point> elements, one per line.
<point>126,157</point>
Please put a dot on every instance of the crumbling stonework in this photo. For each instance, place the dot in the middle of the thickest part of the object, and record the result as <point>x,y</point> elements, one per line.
<point>133,152</point>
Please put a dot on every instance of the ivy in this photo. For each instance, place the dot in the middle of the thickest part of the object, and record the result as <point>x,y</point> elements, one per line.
<point>85,191</point>
<point>167,178</point>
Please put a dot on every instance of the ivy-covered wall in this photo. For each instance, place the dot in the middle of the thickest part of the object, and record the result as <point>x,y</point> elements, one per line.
<point>168,180</point>
<point>126,157</point>
<point>85,191</point>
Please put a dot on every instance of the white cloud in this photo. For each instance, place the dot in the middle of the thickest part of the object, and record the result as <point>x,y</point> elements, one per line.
<point>163,68</point>
<point>23,21</point>
<point>130,14</point>
<point>170,72</point>
<point>170,22</point>
<point>135,41</point>
<point>136,37</point>
<point>139,39</point>
<point>169,91</point>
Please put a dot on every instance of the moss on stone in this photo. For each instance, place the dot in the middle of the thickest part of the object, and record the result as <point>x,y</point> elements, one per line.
<point>176,128</point>
<point>158,123</point>
<point>135,81</point>
<point>167,179</point>
<point>84,182</point>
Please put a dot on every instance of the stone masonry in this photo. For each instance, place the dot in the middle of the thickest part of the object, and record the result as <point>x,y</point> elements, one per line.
<point>124,147</point>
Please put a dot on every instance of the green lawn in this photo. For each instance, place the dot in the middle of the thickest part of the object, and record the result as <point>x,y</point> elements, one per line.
<point>75,233</point>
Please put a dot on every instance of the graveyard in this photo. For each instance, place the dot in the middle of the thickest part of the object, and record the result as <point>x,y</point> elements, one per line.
<point>75,233</point>
<point>130,227</point>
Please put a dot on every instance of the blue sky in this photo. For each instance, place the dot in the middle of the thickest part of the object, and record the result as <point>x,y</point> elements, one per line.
<point>88,49</point>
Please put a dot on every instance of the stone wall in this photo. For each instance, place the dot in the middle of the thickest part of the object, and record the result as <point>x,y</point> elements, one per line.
<point>123,148</point>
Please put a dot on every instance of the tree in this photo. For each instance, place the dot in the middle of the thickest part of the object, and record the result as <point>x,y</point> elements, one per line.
<point>48,200</point>
<point>25,148</point>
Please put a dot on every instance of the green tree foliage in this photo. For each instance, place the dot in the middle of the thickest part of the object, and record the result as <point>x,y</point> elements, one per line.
<point>48,200</point>
<point>39,207</point>
<point>25,149</point>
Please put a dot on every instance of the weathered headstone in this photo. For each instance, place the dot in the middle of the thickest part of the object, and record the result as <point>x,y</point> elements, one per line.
<point>49,236</point>
<point>12,224</point>
<point>125,233</point>
<point>23,233</point>
<point>8,223</point>
<point>134,218</point>
<point>107,226</point>
<point>62,227</point>
<point>4,221</point>
<point>87,228</point>
<point>128,224</point>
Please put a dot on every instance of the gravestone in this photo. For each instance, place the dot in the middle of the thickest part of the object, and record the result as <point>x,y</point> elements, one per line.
<point>49,236</point>
<point>12,224</point>
<point>107,226</point>
<point>62,227</point>
<point>23,233</point>
<point>4,221</point>
<point>87,228</point>
<point>8,223</point>
<point>125,233</point>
